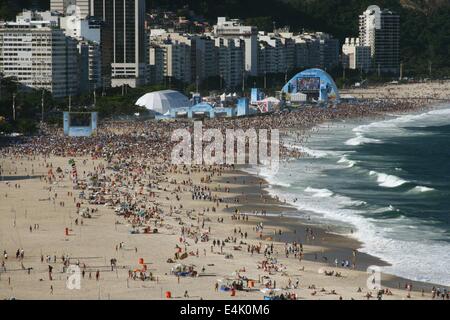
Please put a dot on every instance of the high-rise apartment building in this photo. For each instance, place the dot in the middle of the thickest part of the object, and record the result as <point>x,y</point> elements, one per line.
<point>87,32</point>
<point>230,57</point>
<point>177,60</point>
<point>205,57</point>
<point>39,56</point>
<point>380,30</point>
<point>174,51</point>
<point>123,39</point>
<point>175,47</point>
<point>157,60</point>
<point>271,55</point>
<point>329,50</point>
<point>310,50</point>
<point>233,29</point>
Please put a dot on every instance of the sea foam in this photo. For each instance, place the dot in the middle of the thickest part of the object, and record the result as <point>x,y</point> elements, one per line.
<point>350,163</point>
<point>388,181</point>
<point>422,189</point>
<point>319,193</point>
<point>360,140</point>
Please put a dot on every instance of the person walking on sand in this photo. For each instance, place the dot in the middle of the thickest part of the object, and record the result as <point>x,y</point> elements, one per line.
<point>51,289</point>
<point>97,275</point>
<point>50,269</point>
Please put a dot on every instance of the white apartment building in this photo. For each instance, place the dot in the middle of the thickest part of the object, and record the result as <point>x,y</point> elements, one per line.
<point>310,50</point>
<point>329,50</point>
<point>177,60</point>
<point>321,50</point>
<point>226,56</point>
<point>204,57</point>
<point>233,29</point>
<point>271,55</point>
<point>156,64</point>
<point>27,16</point>
<point>301,53</point>
<point>87,32</point>
<point>64,6</point>
<point>230,56</point>
<point>90,65</point>
<point>380,30</point>
<point>40,56</point>
<point>289,52</point>
<point>202,61</point>
<point>175,53</point>
<point>356,56</point>
<point>81,28</point>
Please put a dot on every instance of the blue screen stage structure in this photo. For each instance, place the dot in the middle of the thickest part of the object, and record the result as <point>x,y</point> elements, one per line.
<point>315,84</point>
<point>80,124</point>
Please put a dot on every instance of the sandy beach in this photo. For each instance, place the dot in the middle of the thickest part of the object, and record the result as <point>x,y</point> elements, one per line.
<point>94,242</point>
<point>185,233</point>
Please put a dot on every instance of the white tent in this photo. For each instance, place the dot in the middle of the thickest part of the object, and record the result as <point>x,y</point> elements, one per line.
<point>162,101</point>
<point>271,100</point>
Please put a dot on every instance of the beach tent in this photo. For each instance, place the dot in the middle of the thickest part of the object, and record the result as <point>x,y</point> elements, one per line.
<point>161,102</point>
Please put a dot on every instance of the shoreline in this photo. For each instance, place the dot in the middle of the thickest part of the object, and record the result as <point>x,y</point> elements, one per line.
<point>333,243</point>
<point>302,221</point>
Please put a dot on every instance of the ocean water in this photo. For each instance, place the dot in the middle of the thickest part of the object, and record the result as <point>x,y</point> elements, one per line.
<point>384,182</point>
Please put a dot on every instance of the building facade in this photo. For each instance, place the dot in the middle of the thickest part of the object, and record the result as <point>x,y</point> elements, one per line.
<point>156,64</point>
<point>62,6</point>
<point>39,56</point>
<point>271,55</point>
<point>123,39</point>
<point>87,32</point>
<point>204,58</point>
<point>380,30</point>
<point>355,56</point>
<point>329,51</point>
<point>233,29</point>
<point>230,57</point>
<point>170,56</point>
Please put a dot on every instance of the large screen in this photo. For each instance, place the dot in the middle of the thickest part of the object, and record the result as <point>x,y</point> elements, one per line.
<point>80,119</point>
<point>308,84</point>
